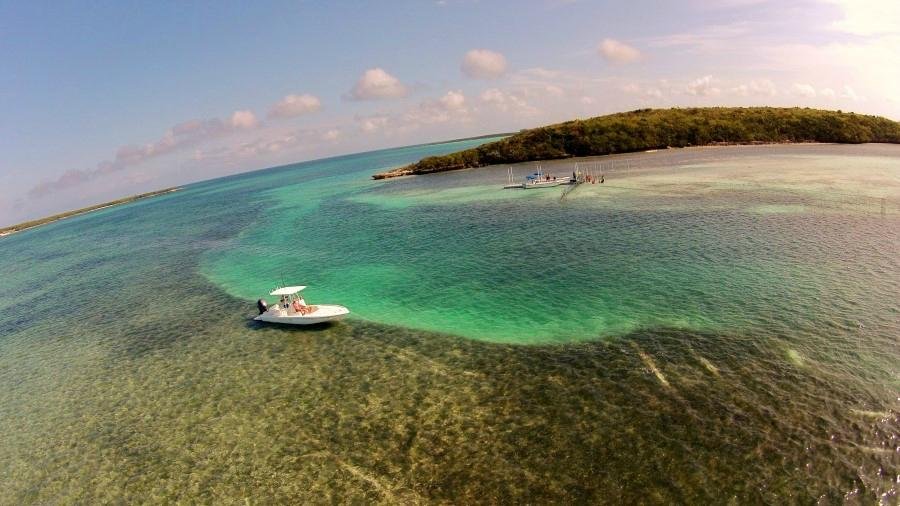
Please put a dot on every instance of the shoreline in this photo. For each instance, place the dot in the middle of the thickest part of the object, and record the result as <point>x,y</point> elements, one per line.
<point>28,225</point>
<point>407,171</point>
<point>659,129</point>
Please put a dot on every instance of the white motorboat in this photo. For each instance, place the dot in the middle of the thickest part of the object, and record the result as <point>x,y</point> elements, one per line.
<point>537,180</point>
<point>293,310</point>
<point>546,183</point>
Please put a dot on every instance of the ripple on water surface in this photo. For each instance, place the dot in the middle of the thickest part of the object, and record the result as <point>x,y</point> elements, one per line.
<point>748,354</point>
<point>689,244</point>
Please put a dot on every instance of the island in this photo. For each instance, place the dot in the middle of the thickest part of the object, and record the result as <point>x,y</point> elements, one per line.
<point>68,214</point>
<point>648,129</point>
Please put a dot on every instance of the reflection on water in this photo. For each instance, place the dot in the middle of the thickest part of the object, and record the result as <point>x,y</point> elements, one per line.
<point>126,374</point>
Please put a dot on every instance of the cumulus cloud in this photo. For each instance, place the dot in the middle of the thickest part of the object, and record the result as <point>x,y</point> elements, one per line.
<point>377,84</point>
<point>374,123</point>
<point>180,136</point>
<point>483,64</point>
<point>295,105</point>
<point>504,101</point>
<point>272,143</point>
<point>646,91</point>
<point>807,90</point>
<point>244,119</point>
<point>615,51</point>
<point>451,107</point>
<point>268,145</point>
<point>702,87</point>
<point>540,84</point>
<point>760,88</point>
<point>804,90</point>
<point>850,94</point>
<point>453,100</point>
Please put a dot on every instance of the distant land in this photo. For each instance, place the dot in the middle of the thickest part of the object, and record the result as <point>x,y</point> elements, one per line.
<point>485,136</point>
<point>646,129</point>
<point>68,214</point>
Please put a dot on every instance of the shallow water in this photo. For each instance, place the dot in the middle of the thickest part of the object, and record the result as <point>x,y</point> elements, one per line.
<point>709,325</point>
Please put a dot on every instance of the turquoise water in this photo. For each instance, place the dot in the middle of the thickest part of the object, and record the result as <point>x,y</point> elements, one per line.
<point>709,325</point>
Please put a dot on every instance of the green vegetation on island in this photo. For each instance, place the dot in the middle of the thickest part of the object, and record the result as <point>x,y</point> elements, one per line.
<point>68,214</point>
<point>645,129</point>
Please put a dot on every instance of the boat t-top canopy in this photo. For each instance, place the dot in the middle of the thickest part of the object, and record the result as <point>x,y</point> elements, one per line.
<point>287,290</point>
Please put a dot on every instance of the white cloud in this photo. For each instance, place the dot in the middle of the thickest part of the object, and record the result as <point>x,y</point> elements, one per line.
<point>646,91</point>
<point>244,119</point>
<point>453,100</point>
<point>804,90</point>
<point>827,93</point>
<point>483,64</point>
<point>449,107</point>
<point>272,143</point>
<point>862,63</point>
<point>702,87</point>
<point>706,39</point>
<point>554,90</point>
<point>615,51</point>
<point>868,17</point>
<point>850,94</point>
<point>262,146</point>
<point>543,73</point>
<point>507,102</point>
<point>493,96</point>
<point>539,84</point>
<point>757,87</point>
<point>374,123</point>
<point>377,84</point>
<point>295,105</point>
<point>180,136</point>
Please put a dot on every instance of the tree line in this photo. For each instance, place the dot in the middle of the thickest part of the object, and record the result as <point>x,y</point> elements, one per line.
<point>645,129</point>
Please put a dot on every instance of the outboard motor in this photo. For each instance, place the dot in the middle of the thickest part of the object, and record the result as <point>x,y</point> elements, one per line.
<point>262,306</point>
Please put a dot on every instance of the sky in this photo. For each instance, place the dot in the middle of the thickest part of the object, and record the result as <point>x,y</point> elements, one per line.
<point>100,100</point>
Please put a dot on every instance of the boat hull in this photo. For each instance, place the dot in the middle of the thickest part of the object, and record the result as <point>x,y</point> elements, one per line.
<point>323,313</point>
<point>542,184</point>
